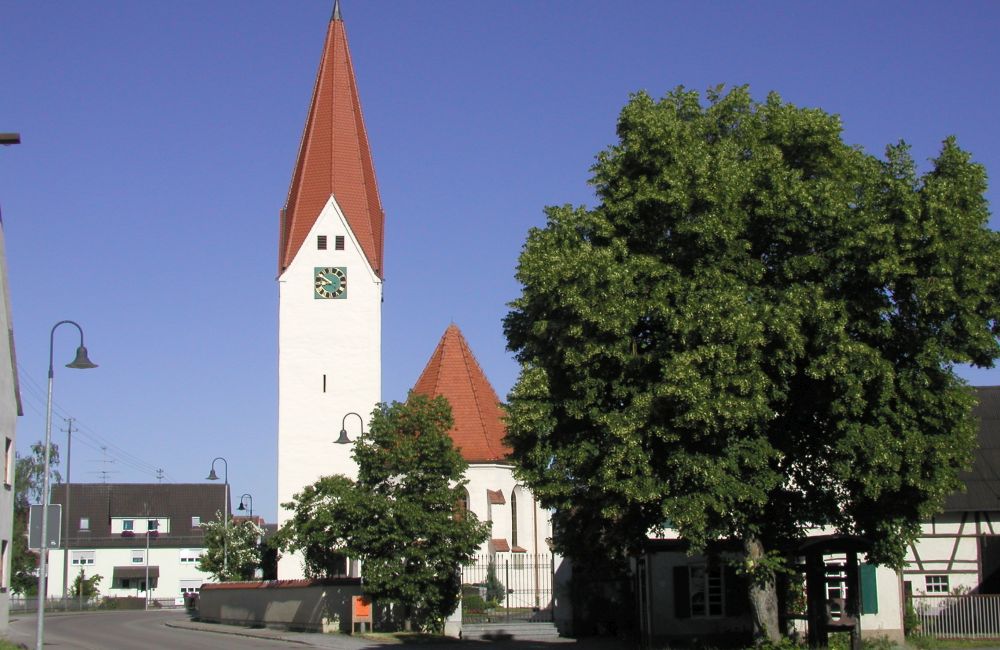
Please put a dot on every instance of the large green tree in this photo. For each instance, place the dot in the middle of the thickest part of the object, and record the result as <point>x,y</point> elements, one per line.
<point>751,334</point>
<point>399,518</point>
<point>29,474</point>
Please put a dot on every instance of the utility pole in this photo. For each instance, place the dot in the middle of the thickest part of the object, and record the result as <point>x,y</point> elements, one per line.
<point>69,466</point>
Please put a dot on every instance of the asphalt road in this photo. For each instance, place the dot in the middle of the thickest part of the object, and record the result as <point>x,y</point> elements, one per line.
<point>126,630</point>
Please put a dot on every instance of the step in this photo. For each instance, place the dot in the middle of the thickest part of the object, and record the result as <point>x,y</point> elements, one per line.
<point>520,630</point>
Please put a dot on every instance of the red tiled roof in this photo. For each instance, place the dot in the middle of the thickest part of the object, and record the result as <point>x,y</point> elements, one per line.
<point>453,372</point>
<point>500,545</point>
<point>334,158</point>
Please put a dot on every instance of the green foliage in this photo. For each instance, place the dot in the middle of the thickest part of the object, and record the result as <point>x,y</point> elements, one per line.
<point>496,591</point>
<point>85,586</point>
<point>233,551</point>
<point>29,473</point>
<point>911,621</point>
<point>399,517</point>
<point>752,333</point>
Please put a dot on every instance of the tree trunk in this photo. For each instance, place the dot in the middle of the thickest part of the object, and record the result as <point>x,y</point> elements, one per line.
<point>763,594</point>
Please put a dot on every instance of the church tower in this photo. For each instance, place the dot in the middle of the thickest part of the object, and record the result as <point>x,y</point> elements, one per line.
<point>330,270</point>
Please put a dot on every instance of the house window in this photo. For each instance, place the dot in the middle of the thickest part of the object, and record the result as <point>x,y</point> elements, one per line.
<point>705,591</point>
<point>937,584</point>
<point>82,558</point>
<point>8,463</point>
<point>321,242</point>
<point>190,555</point>
<point>152,525</point>
<point>127,524</point>
<point>195,522</point>
<point>338,243</point>
<point>84,523</point>
<point>138,557</point>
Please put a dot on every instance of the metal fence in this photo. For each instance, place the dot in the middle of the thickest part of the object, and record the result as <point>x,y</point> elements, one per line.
<point>966,616</point>
<point>508,587</point>
<point>29,605</point>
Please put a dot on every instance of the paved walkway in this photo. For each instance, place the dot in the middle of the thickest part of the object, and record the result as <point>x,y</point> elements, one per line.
<point>348,642</point>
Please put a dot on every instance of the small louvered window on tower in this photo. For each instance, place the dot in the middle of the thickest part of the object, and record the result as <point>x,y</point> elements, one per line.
<point>321,242</point>
<point>338,243</point>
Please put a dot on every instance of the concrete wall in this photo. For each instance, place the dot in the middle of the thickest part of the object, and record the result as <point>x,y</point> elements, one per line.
<point>329,363</point>
<point>310,605</point>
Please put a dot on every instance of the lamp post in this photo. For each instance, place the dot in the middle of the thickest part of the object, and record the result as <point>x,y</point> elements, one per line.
<point>243,508</point>
<point>212,476</point>
<point>343,439</point>
<point>81,362</point>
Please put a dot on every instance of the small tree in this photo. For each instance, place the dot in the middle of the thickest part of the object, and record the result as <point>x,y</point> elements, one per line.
<point>398,518</point>
<point>85,587</point>
<point>233,551</point>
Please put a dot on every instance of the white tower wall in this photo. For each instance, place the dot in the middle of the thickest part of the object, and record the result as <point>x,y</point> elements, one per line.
<point>329,363</point>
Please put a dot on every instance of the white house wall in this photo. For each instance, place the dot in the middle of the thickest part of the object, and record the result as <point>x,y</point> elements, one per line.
<point>328,363</point>
<point>173,573</point>
<point>949,546</point>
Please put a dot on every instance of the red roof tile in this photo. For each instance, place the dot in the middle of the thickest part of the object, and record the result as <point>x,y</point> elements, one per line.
<point>334,158</point>
<point>500,545</point>
<point>453,372</point>
<point>495,497</point>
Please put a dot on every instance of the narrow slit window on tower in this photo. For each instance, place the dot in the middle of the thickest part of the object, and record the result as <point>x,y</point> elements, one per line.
<point>321,242</point>
<point>338,242</point>
<point>324,383</point>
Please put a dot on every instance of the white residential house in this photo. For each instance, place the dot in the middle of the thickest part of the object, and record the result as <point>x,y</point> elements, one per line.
<point>10,408</point>
<point>129,533</point>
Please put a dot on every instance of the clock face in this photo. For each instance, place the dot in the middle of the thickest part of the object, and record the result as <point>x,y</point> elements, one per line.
<point>330,282</point>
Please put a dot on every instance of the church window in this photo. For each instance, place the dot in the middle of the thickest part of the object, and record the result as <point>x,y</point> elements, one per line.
<point>513,518</point>
<point>338,242</point>
<point>321,242</point>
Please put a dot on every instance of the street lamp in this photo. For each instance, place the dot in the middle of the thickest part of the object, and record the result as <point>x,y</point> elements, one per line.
<point>81,362</point>
<point>242,508</point>
<point>212,476</point>
<point>343,439</point>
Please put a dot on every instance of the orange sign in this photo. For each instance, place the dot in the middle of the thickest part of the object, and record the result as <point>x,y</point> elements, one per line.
<point>362,609</point>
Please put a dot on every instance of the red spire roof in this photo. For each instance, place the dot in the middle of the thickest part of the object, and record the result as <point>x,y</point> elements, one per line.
<point>334,158</point>
<point>454,373</point>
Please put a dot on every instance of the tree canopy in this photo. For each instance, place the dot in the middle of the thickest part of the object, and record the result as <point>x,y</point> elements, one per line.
<point>754,332</point>
<point>232,549</point>
<point>399,518</point>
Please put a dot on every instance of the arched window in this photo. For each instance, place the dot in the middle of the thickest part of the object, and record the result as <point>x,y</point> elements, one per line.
<point>462,506</point>
<point>513,517</point>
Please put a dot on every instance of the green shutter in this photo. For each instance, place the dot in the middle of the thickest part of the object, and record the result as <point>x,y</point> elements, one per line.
<point>869,590</point>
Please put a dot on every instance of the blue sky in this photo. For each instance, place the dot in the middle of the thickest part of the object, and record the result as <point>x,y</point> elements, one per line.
<point>159,139</point>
